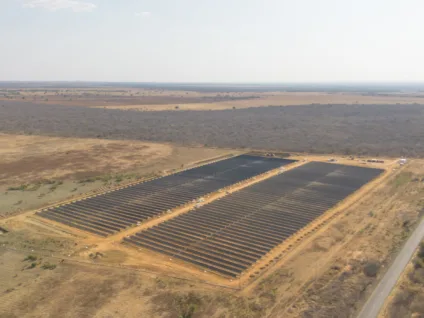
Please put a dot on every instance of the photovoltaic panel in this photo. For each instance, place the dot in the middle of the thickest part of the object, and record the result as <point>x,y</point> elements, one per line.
<point>229,235</point>
<point>111,212</point>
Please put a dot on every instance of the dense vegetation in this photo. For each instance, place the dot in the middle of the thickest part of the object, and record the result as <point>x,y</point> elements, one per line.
<point>350,129</point>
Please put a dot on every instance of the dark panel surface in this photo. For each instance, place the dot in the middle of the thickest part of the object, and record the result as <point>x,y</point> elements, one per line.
<point>111,212</point>
<point>229,235</point>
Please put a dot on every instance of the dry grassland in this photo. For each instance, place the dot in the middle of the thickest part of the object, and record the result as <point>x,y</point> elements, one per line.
<point>407,299</point>
<point>271,99</point>
<point>92,97</point>
<point>31,158</point>
<point>160,100</point>
<point>38,170</point>
<point>324,276</point>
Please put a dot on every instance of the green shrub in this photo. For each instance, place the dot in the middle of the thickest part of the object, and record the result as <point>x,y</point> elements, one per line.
<point>421,251</point>
<point>371,269</point>
<point>88,180</point>
<point>30,258</point>
<point>48,266</point>
<point>22,187</point>
<point>186,305</point>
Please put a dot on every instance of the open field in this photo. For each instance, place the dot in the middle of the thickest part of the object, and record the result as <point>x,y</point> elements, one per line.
<point>125,97</point>
<point>289,287</point>
<point>247,100</point>
<point>346,129</point>
<point>33,158</point>
<point>289,282</point>
<point>38,170</point>
<point>159,98</point>
<point>327,269</point>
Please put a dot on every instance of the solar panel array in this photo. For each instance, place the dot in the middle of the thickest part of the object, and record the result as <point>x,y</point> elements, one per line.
<point>229,235</point>
<point>111,212</point>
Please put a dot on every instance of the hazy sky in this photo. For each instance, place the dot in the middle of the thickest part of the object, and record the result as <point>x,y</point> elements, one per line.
<point>212,40</point>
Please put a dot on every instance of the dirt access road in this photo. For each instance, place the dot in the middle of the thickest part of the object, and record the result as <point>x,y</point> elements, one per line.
<point>383,289</point>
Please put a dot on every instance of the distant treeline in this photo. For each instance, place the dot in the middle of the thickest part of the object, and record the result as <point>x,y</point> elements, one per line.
<point>349,129</point>
<point>230,87</point>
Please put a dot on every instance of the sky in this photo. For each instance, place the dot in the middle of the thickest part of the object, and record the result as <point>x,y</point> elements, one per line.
<point>212,40</point>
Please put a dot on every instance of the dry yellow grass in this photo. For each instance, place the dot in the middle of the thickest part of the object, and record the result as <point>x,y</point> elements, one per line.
<point>277,99</point>
<point>26,158</point>
<point>303,279</point>
<point>40,170</point>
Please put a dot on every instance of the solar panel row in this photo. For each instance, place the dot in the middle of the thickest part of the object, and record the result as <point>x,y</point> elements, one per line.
<point>111,212</point>
<point>229,235</point>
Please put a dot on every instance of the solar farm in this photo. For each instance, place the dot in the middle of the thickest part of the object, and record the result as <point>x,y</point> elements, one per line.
<point>231,231</point>
<point>115,211</point>
<point>230,235</point>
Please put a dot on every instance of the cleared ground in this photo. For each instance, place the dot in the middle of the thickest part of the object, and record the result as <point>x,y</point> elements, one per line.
<point>157,263</point>
<point>293,286</point>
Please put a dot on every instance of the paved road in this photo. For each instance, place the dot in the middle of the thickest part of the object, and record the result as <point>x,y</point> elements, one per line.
<point>383,289</point>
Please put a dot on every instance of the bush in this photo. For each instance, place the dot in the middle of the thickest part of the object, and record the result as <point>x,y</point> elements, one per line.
<point>48,266</point>
<point>421,251</point>
<point>22,187</point>
<point>186,305</point>
<point>88,180</point>
<point>119,179</point>
<point>417,276</point>
<point>371,269</point>
<point>30,258</point>
<point>417,305</point>
<point>418,263</point>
